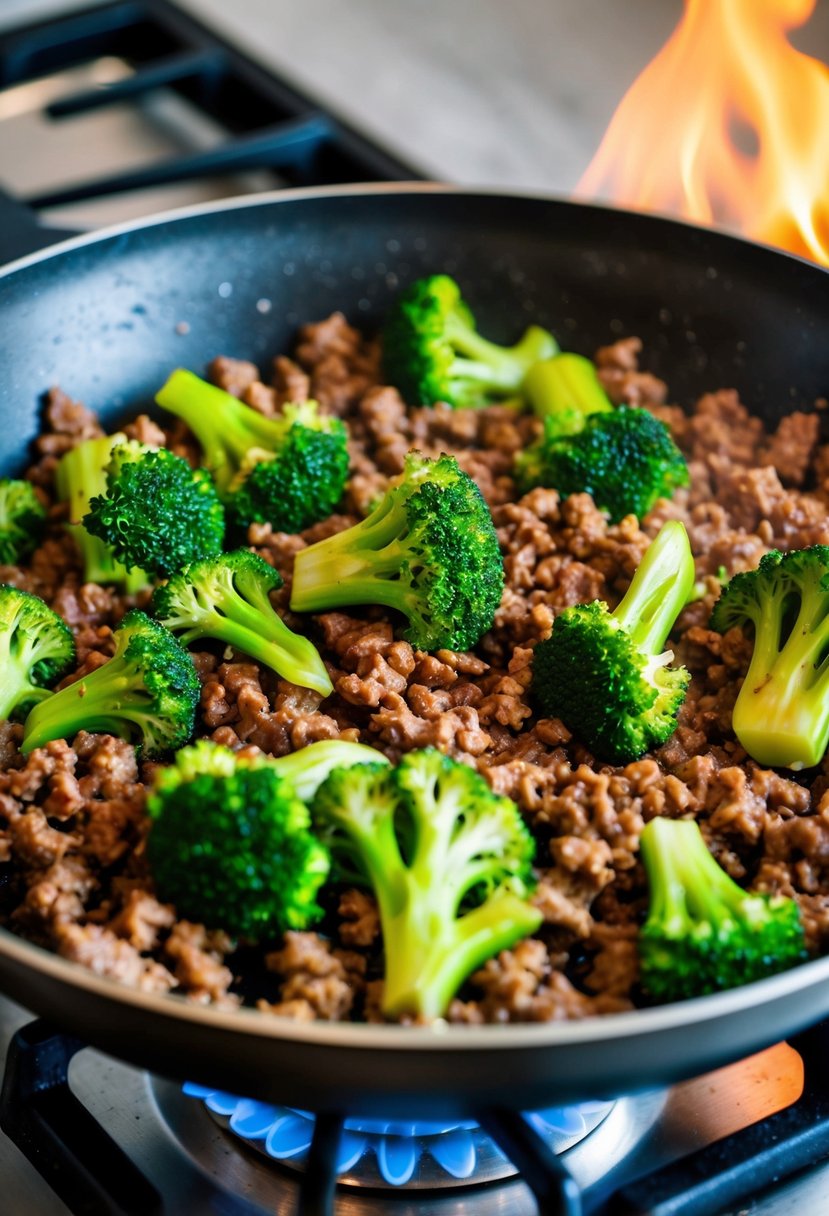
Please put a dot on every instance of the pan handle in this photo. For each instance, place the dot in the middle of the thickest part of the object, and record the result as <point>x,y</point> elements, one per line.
<point>69,1148</point>
<point>21,231</point>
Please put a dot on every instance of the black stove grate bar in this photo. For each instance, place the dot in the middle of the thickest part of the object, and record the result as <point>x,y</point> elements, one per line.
<point>35,50</point>
<point>319,1182</point>
<point>68,1147</point>
<point>295,148</point>
<point>169,70</point>
<point>556,1192</point>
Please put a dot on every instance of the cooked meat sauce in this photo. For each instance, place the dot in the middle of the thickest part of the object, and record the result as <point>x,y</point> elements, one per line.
<point>73,822</point>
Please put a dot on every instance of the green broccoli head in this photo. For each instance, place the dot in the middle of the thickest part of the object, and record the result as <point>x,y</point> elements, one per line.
<point>625,460</point>
<point>606,675</point>
<point>288,470</point>
<point>305,769</point>
<point>228,598</point>
<point>428,549</point>
<point>230,844</point>
<point>448,860</point>
<point>432,351</point>
<point>704,932</point>
<point>22,520</point>
<point>36,649</point>
<point>147,692</point>
<point>157,512</point>
<point>302,481</point>
<point>781,716</point>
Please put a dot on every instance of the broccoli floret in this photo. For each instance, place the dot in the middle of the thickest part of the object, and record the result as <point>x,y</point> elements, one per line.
<point>230,844</point>
<point>147,692</point>
<point>289,470</point>
<point>448,860</point>
<point>781,715</point>
<point>428,549</point>
<point>624,458</point>
<point>625,461</point>
<point>307,769</point>
<point>36,649</point>
<point>22,520</point>
<point>157,512</point>
<point>432,351</point>
<point>606,675</point>
<point>80,476</point>
<point>227,598</point>
<point>703,931</point>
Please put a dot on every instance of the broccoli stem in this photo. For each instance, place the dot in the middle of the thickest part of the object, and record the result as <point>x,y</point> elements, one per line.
<point>429,950</point>
<point>498,368</point>
<point>88,705</point>
<point>659,590</point>
<point>428,958</point>
<point>20,650</point>
<point>688,886</point>
<point>294,657</point>
<point>224,426</point>
<point>567,389</point>
<point>358,566</point>
<point>785,720</point>
<point>21,692</point>
<point>81,476</point>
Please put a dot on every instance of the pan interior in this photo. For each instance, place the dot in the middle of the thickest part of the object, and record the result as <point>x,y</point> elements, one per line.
<point>108,317</point>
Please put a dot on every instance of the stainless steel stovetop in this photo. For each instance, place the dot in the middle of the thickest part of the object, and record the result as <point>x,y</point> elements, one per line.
<point>199,1168</point>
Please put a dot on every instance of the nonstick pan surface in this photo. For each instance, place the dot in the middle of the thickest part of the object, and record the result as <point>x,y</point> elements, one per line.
<point>107,317</point>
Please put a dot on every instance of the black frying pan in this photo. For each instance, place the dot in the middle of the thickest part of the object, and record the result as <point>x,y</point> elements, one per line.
<point>107,317</point>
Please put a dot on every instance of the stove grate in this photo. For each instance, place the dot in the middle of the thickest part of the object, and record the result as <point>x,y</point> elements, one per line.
<point>88,1170</point>
<point>265,123</point>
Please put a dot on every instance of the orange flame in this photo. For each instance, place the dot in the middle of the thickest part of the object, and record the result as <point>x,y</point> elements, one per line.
<point>728,125</point>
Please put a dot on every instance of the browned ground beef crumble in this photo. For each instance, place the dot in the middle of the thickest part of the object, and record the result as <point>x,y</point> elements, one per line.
<point>72,817</point>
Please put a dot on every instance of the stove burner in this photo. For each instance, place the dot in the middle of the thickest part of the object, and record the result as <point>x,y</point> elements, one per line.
<point>391,1153</point>
<point>655,1153</point>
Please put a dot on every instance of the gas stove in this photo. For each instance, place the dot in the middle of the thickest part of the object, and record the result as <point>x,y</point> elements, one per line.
<point>133,107</point>
<point>125,1143</point>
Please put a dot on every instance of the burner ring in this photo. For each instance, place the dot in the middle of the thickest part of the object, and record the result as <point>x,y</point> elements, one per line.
<point>382,1153</point>
<point>238,1167</point>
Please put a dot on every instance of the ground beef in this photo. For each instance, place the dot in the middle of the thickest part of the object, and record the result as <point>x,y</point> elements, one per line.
<point>73,820</point>
<point>314,978</point>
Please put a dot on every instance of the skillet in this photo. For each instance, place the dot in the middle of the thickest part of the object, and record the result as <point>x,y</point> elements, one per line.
<point>108,316</point>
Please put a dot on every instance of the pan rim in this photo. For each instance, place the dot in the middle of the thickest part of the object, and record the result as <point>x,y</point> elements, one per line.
<point>266,198</point>
<point>440,1036</point>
